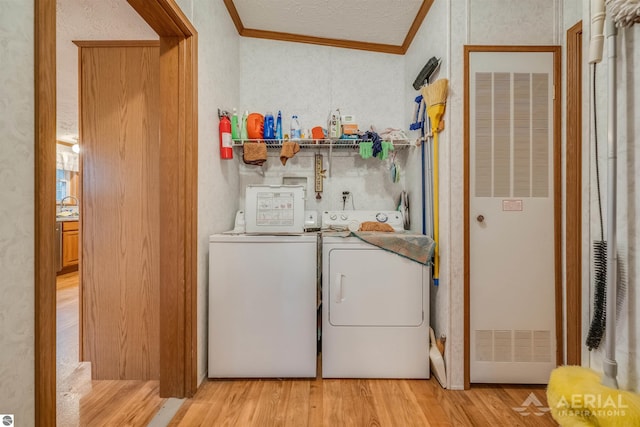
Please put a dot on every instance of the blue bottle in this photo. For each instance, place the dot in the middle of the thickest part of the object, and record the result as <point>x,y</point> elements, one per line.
<point>268,131</point>
<point>279,126</point>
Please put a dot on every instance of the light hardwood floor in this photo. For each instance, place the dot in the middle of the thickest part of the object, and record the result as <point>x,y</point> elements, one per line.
<point>263,403</point>
<point>81,401</point>
<point>358,403</point>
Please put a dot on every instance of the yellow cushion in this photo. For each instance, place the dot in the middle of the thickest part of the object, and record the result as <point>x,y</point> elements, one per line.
<point>577,398</point>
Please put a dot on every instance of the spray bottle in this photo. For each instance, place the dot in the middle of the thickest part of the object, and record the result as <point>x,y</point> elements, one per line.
<point>279,126</point>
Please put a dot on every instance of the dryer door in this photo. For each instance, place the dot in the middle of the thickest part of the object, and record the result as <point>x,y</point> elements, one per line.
<point>372,287</point>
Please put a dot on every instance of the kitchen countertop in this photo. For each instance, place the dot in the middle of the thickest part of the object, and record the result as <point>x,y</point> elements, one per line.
<point>67,218</point>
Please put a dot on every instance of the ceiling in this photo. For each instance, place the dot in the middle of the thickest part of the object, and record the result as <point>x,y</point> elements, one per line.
<point>376,25</point>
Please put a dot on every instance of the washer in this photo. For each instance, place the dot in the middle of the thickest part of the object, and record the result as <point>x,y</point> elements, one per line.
<point>375,305</point>
<point>262,306</point>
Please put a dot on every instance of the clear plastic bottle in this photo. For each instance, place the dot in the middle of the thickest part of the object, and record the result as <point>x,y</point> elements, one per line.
<point>243,129</point>
<point>295,128</point>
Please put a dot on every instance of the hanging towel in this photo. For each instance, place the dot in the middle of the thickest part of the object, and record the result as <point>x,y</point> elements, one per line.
<point>254,153</point>
<point>366,149</point>
<point>384,152</point>
<point>289,149</point>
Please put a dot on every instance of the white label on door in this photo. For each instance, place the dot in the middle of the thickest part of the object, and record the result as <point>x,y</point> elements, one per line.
<point>511,205</point>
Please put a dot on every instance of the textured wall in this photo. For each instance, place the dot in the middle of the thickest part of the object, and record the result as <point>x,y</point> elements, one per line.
<point>17,211</point>
<point>628,234</point>
<point>310,81</point>
<point>218,80</point>
<point>424,46</point>
<point>455,24</point>
<point>88,20</point>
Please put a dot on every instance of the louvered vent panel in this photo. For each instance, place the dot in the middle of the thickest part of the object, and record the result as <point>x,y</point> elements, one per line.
<point>502,135</point>
<point>540,134</point>
<point>483,134</point>
<point>542,346</point>
<point>522,349</point>
<point>521,135</point>
<point>484,346</point>
<point>502,343</point>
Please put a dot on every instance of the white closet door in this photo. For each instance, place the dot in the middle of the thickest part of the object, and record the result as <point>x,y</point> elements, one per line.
<point>511,206</point>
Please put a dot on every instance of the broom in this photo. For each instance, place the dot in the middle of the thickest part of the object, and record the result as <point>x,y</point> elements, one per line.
<point>435,98</point>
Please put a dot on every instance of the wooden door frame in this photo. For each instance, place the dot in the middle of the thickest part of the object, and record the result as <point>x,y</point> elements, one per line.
<point>178,210</point>
<point>573,232</point>
<point>557,196</point>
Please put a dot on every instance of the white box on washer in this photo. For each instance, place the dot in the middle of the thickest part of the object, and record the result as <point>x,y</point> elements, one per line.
<point>274,209</point>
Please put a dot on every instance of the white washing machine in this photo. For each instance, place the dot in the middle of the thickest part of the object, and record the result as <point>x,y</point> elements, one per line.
<point>262,306</point>
<point>375,305</point>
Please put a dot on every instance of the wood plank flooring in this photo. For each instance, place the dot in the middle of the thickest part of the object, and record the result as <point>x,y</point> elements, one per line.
<point>81,401</point>
<point>264,403</point>
<point>357,402</point>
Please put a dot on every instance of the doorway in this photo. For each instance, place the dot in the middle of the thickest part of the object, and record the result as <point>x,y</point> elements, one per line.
<point>178,218</point>
<point>513,293</point>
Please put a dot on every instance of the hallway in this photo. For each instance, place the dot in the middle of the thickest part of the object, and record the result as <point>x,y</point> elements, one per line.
<point>80,401</point>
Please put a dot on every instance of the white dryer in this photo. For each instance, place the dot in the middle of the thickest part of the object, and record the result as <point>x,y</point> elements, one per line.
<point>375,305</point>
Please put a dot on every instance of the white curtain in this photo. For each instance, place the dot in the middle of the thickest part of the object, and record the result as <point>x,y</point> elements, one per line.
<point>67,160</point>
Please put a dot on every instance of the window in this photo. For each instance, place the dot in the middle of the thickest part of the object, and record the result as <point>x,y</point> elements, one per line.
<point>66,185</point>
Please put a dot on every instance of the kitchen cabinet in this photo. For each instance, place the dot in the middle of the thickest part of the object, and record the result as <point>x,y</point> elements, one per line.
<point>70,243</point>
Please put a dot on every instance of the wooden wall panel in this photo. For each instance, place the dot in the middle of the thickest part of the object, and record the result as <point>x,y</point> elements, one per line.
<point>119,91</point>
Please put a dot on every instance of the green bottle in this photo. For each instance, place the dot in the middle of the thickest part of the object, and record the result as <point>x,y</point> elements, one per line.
<point>235,131</point>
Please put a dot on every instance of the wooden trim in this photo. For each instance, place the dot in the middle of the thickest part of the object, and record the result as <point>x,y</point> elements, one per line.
<point>178,219</point>
<point>323,41</point>
<point>557,185</point>
<point>191,216</point>
<point>163,16</point>
<point>116,43</point>
<point>466,241</point>
<point>415,26</point>
<point>574,195</point>
<point>557,196</point>
<point>326,41</point>
<point>235,17</point>
<point>45,212</point>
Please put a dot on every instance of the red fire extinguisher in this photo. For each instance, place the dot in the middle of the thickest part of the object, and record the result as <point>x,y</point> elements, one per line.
<point>226,144</point>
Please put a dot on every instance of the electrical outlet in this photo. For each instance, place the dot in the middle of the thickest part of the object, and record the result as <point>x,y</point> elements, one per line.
<point>346,196</point>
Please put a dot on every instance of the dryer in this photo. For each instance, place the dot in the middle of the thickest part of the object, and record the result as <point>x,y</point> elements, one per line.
<point>375,305</point>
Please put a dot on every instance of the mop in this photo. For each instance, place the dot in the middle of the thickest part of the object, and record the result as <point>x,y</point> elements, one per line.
<point>579,396</point>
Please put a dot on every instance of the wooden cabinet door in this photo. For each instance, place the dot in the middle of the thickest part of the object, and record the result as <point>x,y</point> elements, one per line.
<point>69,248</point>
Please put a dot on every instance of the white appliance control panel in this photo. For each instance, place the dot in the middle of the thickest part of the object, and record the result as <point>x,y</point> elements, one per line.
<point>351,220</point>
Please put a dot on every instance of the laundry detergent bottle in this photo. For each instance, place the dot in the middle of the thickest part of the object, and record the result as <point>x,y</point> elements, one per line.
<point>269,131</point>
<point>295,128</point>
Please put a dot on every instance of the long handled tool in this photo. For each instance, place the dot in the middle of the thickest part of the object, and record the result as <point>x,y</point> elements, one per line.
<point>435,97</point>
